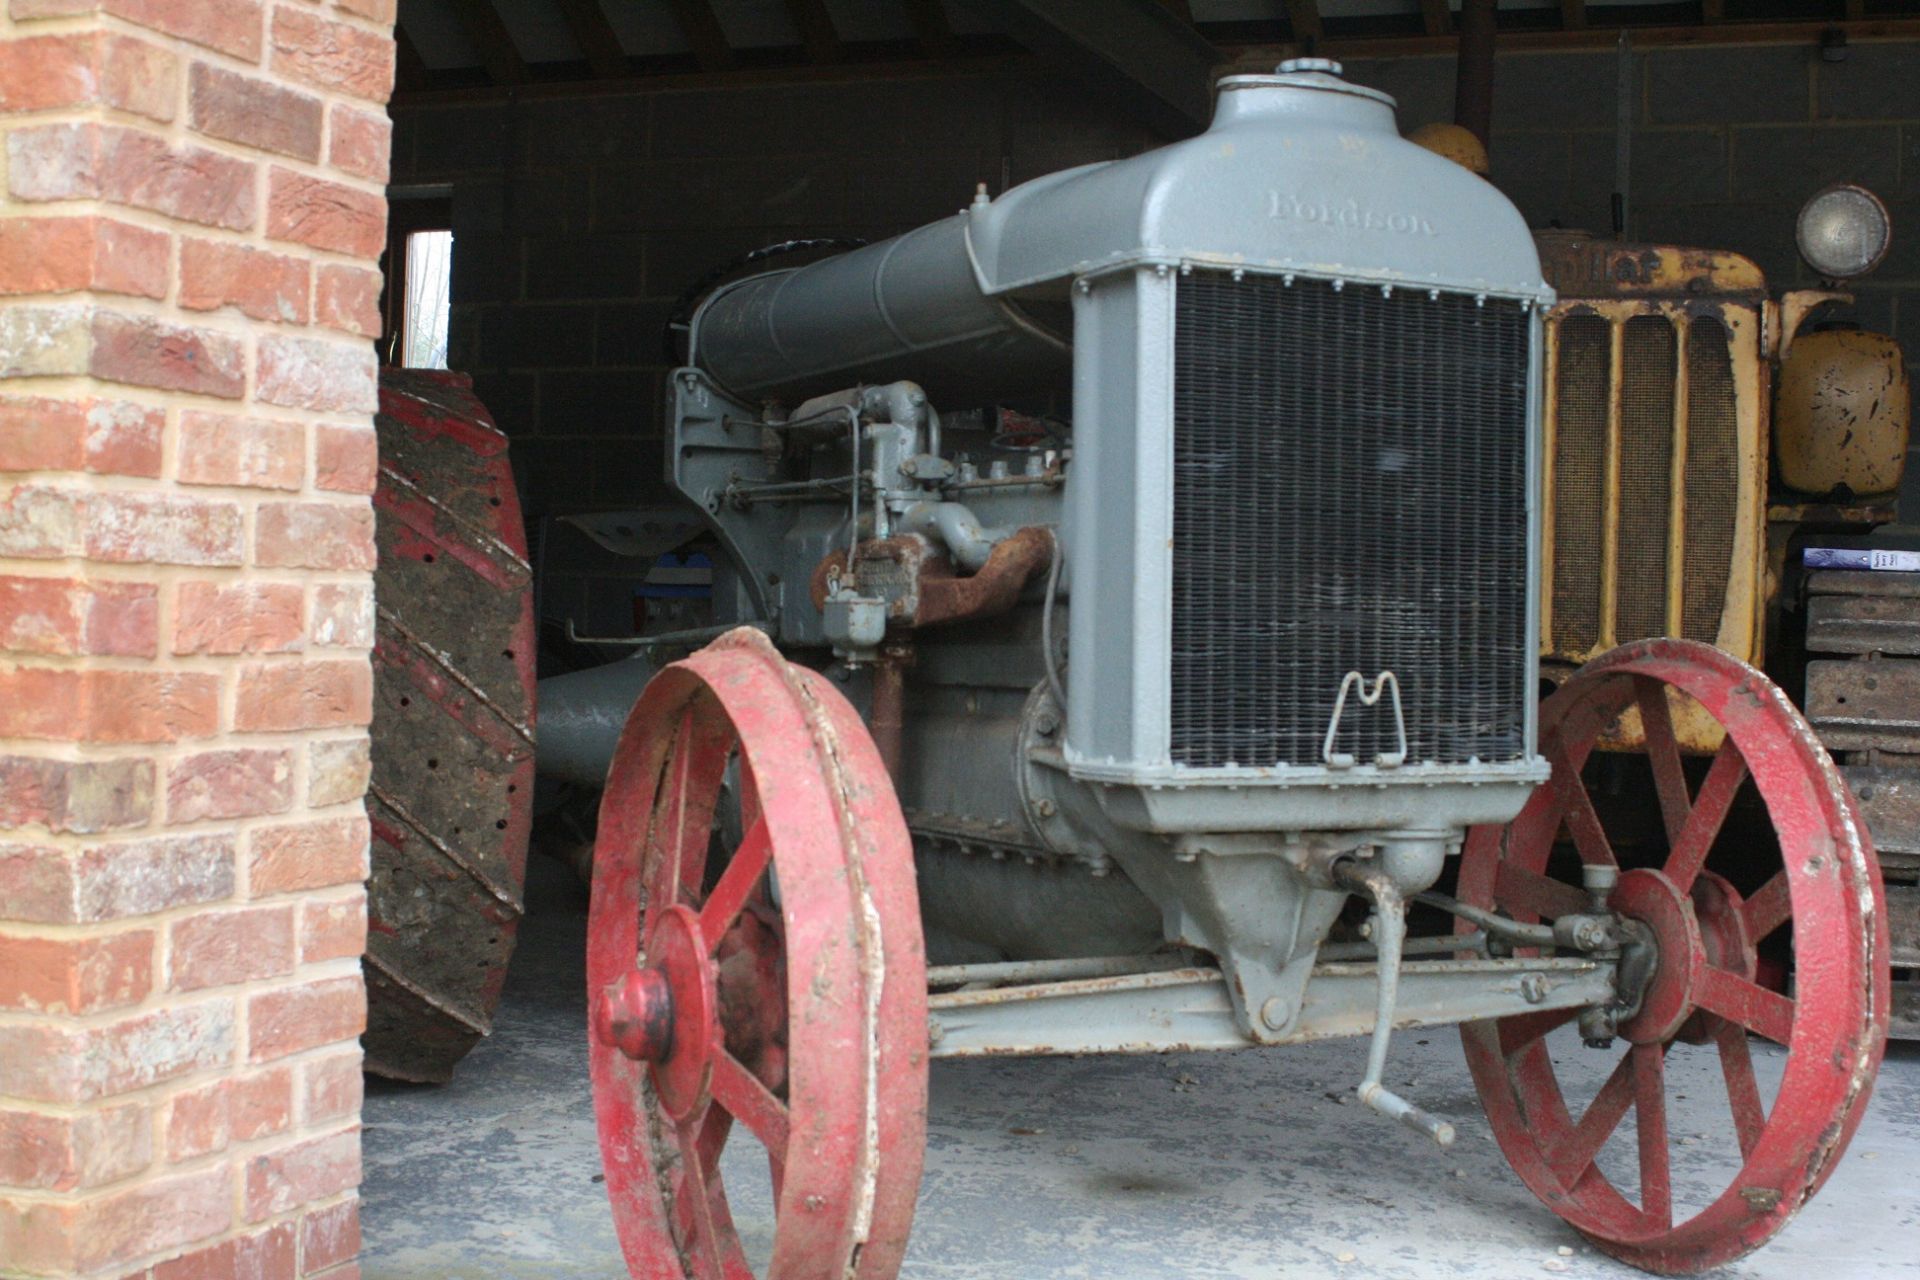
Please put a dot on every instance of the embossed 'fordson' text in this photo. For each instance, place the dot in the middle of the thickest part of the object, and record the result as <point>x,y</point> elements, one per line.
<point>1345,213</point>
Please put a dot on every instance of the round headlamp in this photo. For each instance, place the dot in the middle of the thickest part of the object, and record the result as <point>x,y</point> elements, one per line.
<point>1843,231</point>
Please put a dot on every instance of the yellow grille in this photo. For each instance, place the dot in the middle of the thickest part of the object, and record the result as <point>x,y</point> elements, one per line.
<point>1628,384</point>
<point>1713,458</point>
<point>1579,480</point>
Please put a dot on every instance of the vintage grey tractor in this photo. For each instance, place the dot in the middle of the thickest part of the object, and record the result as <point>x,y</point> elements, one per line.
<point>1131,590</point>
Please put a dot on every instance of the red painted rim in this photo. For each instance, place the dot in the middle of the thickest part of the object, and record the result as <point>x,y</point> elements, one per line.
<point>798,999</point>
<point>1828,890</point>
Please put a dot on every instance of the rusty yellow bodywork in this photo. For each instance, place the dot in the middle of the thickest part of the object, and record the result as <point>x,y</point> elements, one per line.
<point>1657,380</point>
<point>1841,414</point>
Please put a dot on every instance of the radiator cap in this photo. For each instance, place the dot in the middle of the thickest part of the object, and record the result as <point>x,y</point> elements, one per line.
<point>1326,65</point>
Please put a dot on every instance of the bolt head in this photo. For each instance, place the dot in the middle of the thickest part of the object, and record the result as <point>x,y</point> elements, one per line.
<point>1274,1013</point>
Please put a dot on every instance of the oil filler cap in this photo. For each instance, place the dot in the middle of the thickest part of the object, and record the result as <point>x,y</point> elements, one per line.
<point>1294,65</point>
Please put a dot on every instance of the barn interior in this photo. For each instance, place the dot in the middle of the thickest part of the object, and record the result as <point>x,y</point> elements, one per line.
<point>572,178</point>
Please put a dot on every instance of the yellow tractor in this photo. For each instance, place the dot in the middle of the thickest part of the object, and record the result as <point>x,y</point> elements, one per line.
<point>1724,467</point>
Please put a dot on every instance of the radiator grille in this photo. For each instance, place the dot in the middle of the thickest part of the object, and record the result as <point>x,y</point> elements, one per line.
<point>1349,494</point>
<point>1713,460</point>
<point>1650,368</point>
<point>1579,479</point>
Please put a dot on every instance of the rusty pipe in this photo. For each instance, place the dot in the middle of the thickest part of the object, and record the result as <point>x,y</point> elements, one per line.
<point>943,598</point>
<point>886,716</point>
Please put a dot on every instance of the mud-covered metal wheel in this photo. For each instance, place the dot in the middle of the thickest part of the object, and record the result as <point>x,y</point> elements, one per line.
<point>453,662</point>
<point>777,987</point>
<point>1658,1199</point>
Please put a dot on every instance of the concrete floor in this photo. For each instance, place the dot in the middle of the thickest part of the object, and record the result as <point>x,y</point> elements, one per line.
<point>1246,1165</point>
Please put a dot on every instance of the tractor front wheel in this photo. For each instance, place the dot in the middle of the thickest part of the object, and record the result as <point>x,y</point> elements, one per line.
<point>1668,1202</point>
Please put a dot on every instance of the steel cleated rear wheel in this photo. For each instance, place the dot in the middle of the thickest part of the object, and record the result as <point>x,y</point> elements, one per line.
<point>1658,1199</point>
<point>779,988</point>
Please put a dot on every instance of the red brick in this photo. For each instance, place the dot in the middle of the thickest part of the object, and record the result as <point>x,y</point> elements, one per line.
<point>80,1062</point>
<point>150,706</point>
<point>231,26</point>
<point>37,884</point>
<point>67,1237</point>
<point>330,1236</point>
<point>304,695</point>
<point>359,142</point>
<point>76,975</point>
<point>224,947</point>
<point>81,796</point>
<point>143,528</point>
<point>314,535</point>
<point>222,449</point>
<point>332,1087</point>
<point>305,1017</point>
<point>38,703</point>
<point>348,299</point>
<point>60,255</point>
<point>326,215</point>
<point>45,341</point>
<point>130,167</point>
<point>332,55</point>
<point>345,459</point>
<point>254,113</point>
<point>67,616</point>
<point>152,353</point>
<point>304,856</point>
<point>229,784</point>
<point>268,1255</point>
<point>337,771</point>
<point>42,435</point>
<point>113,881</point>
<point>40,72</point>
<point>377,11</point>
<point>306,373</point>
<point>333,930</point>
<point>237,1109</point>
<point>342,615</point>
<point>265,286</point>
<point>55,1152</point>
<point>39,522</point>
<point>124,439</point>
<point>244,617</point>
<point>139,77</point>
<point>279,1181</point>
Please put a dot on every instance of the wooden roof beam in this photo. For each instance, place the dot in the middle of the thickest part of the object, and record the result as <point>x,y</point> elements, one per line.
<point>595,36</point>
<point>1436,16</point>
<point>492,41</point>
<point>703,34</point>
<point>817,32</point>
<point>1573,14</point>
<point>1305,17</point>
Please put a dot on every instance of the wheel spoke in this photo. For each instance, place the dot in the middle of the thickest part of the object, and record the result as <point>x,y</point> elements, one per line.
<point>1717,790</point>
<point>1663,752</point>
<point>1528,893</point>
<point>697,1190</point>
<point>664,870</point>
<point>736,885</point>
<point>747,1099</point>
<point>1582,822</point>
<point>1523,1029</point>
<point>1746,1003</point>
<point>1603,1116</point>
<point>1743,1090</point>
<point>1650,1118</point>
<point>1768,907</point>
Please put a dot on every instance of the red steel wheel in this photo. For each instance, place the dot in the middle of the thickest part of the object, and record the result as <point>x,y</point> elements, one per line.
<point>782,989</point>
<point>1826,893</point>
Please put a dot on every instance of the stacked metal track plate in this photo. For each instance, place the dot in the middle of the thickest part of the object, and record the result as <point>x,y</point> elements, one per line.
<point>1863,697</point>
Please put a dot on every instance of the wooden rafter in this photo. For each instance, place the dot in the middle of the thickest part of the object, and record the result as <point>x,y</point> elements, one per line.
<point>1305,17</point>
<point>1436,16</point>
<point>930,27</point>
<point>703,34</point>
<point>817,32</point>
<point>492,41</point>
<point>595,36</point>
<point>1180,9</point>
<point>1573,14</point>
<point>410,69</point>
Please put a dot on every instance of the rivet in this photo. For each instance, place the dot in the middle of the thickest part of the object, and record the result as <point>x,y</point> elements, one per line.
<point>1274,1013</point>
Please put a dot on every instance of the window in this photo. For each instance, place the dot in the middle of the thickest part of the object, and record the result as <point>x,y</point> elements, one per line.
<point>423,316</point>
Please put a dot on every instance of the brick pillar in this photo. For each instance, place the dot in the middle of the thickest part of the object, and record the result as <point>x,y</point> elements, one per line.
<point>192,214</point>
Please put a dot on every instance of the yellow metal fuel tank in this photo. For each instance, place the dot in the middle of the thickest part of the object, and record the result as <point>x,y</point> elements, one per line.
<point>1842,406</point>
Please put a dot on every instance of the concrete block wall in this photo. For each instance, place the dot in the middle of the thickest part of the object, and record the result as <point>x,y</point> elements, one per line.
<point>192,213</point>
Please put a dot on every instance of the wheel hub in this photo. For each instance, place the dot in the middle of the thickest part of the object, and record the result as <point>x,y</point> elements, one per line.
<point>664,1014</point>
<point>1654,900</point>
